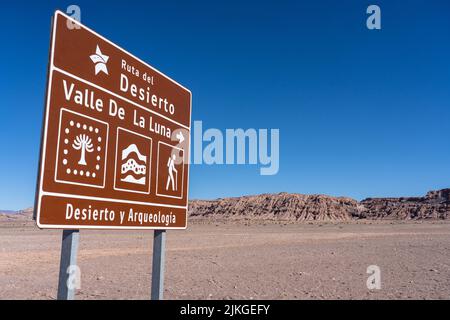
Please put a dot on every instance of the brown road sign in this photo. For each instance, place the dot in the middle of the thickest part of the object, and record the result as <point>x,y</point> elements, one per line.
<point>115,144</point>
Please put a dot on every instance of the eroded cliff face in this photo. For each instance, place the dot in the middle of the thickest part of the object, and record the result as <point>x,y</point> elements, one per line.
<point>298,207</point>
<point>283,206</point>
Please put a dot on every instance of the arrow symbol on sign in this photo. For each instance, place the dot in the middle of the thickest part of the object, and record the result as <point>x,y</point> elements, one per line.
<point>180,136</point>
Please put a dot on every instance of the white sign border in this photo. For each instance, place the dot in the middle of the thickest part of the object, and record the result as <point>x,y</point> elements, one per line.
<point>41,192</point>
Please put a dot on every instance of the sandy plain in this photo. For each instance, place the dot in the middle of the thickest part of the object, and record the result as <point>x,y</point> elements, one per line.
<point>237,260</point>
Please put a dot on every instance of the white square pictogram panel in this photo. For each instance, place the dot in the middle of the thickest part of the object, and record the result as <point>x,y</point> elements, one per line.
<point>133,162</point>
<point>82,150</point>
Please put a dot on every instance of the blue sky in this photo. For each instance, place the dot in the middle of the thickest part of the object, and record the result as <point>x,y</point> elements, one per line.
<point>361,113</point>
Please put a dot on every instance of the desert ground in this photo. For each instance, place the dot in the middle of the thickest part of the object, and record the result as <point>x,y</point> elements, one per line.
<point>237,260</point>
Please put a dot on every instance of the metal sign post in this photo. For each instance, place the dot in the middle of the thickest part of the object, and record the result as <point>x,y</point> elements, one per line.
<point>69,250</point>
<point>159,248</point>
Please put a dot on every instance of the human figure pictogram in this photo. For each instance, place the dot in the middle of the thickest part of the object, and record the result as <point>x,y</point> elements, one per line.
<point>171,169</point>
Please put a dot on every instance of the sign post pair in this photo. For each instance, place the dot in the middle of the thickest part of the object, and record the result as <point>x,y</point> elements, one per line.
<point>115,142</point>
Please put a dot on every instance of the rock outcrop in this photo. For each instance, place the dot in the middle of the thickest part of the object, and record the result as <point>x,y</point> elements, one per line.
<point>435,205</point>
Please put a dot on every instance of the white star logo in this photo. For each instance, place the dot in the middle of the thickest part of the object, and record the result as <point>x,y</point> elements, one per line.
<point>100,60</point>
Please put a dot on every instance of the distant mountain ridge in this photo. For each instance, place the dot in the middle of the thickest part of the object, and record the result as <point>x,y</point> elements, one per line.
<point>8,215</point>
<point>435,205</point>
<point>21,212</point>
<point>7,211</point>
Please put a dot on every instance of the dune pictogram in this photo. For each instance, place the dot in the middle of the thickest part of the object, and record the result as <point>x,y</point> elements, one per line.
<point>133,161</point>
<point>131,169</point>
